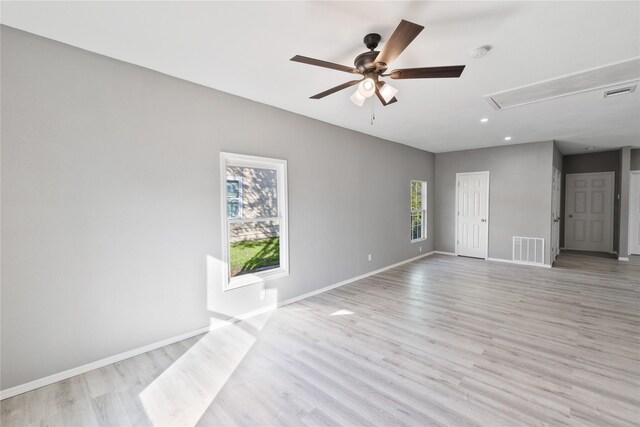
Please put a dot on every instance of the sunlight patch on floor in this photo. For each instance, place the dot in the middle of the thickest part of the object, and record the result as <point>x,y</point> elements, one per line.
<point>342,313</point>
<point>184,391</point>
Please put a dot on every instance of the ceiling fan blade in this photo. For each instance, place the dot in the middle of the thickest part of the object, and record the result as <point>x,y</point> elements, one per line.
<point>325,64</point>
<point>379,95</point>
<point>427,72</point>
<point>335,89</point>
<point>398,42</point>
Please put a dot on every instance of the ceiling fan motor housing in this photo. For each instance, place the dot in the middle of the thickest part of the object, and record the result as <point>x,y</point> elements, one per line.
<point>365,62</point>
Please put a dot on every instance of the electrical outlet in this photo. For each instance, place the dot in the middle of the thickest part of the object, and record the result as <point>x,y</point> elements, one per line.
<point>263,295</point>
<point>420,249</point>
<point>369,257</point>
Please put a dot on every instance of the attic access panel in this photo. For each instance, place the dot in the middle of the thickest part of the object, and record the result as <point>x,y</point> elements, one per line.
<point>583,81</point>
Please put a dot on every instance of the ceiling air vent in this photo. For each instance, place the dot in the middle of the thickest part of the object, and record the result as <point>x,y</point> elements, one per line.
<point>619,91</point>
<point>597,78</point>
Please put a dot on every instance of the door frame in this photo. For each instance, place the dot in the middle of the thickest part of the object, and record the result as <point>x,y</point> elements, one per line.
<point>553,221</point>
<point>613,206</point>
<point>632,173</point>
<point>455,242</point>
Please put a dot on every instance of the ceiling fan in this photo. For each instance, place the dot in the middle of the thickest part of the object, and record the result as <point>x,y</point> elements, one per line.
<point>372,65</point>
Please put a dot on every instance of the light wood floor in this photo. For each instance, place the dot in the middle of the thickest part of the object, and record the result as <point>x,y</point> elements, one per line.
<point>442,340</point>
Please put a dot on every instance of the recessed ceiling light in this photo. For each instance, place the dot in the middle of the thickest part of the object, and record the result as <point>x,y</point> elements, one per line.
<point>590,148</point>
<point>479,52</point>
<point>507,138</point>
<point>484,120</point>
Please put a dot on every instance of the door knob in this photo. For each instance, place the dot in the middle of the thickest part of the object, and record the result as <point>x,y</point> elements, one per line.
<point>483,220</point>
<point>570,216</point>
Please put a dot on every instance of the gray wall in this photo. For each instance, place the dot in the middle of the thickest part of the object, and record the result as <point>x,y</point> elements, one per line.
<point>603,161</point>
<point>635,159</point>
<point>625,177</point>
<point>519,194</point>
<point>111,204</point>
<point>557,157</point>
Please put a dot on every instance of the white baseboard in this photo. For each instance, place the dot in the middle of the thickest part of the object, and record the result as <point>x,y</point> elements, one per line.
<point>32,385</point>
<point>509,261</point>
<point>444,253</point>
<point>623,258</point>
<point>353,279</point>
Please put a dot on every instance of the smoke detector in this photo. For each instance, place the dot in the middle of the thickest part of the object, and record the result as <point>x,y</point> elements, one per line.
<point>479,52</point>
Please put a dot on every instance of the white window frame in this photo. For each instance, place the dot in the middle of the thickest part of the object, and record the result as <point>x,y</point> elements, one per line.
<point>239,179</point>
<point>424,210</point>
<point>259,277</point>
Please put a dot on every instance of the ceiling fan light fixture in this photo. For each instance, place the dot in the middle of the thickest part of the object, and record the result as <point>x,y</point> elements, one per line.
<point>367,87</point>
<point>388,92</point>
<point>357,98</point>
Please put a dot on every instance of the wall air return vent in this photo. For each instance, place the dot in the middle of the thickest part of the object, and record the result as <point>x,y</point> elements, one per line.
<point>528,250</point>
<point>619,91</point>
<point>584,81</point>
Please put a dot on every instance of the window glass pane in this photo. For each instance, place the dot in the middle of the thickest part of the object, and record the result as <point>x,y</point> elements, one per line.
<point>259,191</point>
<point>418,198</point>
<point>416,195</point>
<point>233,208</point>
<point>415,232</point>
<point>413,195</point>
<point>417,209</point>
<point>254,243</point>
<point>233,188</point>
<point>254,246</point>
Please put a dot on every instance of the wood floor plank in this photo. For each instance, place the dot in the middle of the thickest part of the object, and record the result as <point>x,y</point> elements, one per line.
<point>439,341</point>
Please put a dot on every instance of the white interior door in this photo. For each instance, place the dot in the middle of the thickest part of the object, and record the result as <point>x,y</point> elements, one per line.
<point>589,212</point>
<point>472,218</point>
<point>555,214</point>
<point>634,214</point>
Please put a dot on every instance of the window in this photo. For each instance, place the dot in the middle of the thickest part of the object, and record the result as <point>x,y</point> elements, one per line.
<point>418,210</point>
<point>254,225</point>
<point>234,197</point>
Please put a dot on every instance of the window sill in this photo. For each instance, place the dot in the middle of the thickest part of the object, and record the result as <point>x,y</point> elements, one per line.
<point>255,278</point>
<point>418,240</point>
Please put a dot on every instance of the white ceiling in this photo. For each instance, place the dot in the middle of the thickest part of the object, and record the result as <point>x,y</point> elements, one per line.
<point>244,48</point>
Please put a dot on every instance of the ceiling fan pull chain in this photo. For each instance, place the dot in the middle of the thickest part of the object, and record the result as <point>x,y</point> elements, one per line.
<point>373,112</point>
